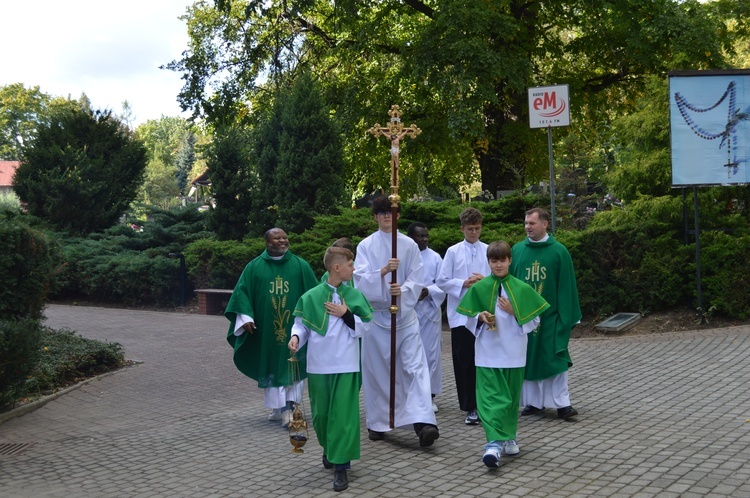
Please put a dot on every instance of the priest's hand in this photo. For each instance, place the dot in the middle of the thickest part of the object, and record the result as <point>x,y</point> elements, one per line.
<point>293,344</point>
<point>338,310</point>
<point>248,327</point>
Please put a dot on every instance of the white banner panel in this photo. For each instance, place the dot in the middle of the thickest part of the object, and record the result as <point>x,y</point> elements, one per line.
<point>549,106</point>
<point>709,117</point>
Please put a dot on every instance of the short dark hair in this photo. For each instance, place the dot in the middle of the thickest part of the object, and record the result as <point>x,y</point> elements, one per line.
<point>470,216</point>
<point>381,204</point>
<point>335,255</point>
<point>413,228</point>
<point>345,243</point>
<point>498,250</point>
<point>541,212</point>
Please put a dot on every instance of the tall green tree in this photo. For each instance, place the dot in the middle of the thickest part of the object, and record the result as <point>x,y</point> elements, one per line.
<point>309,179</point>
<point>231,167</point>
<point>266,141</point>
<point>642,148</point>
<point>184,160</point>
<point>163,137</point>
<point>459,68</point>
<point>169,162</point>
<point>21,109</point>
<point>159,187</point>
<point>81,171</point>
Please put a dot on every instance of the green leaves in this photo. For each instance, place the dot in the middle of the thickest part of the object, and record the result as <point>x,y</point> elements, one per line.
<point>81,171</point>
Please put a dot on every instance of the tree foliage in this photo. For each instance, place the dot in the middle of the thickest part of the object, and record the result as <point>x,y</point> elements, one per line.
<point>642,148</point>
<point>20,110</point>
<point>233,182</point>
<point>81,170</point>
<point>171,144</point>
<point>184,160</point>
<point>459,68</point>
<point>309,179</point>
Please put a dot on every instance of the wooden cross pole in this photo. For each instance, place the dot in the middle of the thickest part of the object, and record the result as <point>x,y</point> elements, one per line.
<point>395,131</point>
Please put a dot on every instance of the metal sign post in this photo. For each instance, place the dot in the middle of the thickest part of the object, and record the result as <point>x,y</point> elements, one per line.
<point>549,106</point>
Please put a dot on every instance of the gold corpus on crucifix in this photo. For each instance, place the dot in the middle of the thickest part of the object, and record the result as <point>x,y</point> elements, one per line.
<point>394,131</point>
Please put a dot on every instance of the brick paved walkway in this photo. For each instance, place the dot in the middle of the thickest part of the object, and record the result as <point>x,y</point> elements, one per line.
<point>665,415</point>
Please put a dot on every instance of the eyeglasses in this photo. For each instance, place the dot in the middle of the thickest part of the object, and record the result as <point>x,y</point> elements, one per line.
<point>384,213</point>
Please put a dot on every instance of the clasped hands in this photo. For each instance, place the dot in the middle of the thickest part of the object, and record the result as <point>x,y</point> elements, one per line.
<point>503,303</point>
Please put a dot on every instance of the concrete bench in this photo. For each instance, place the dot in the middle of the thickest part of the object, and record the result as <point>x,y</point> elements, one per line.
<point>212,301</point>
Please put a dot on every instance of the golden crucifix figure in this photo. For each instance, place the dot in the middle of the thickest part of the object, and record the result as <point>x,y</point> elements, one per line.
<point>394,131</point>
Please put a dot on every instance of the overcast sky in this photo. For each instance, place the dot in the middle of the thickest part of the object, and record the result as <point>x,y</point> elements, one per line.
<point>109,50</point>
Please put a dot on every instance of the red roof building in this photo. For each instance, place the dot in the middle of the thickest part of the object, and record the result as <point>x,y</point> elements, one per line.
<point>7,170</point>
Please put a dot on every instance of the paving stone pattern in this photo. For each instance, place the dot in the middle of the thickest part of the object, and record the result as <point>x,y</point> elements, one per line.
<point>663,415</point>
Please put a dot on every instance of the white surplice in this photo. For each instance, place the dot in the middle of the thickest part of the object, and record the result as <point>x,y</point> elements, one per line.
<point>460,262</point>
<point>431,318</point>
<point>413,403</point>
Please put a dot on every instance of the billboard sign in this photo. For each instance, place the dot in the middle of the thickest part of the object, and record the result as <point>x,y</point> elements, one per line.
<point>549,106</point>
<point>709,119</point>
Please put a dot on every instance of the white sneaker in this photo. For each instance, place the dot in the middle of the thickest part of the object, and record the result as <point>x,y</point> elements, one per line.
<point>286,417</point>
<point>275,415</point>
<point>511,447</point>
<point>491,458</point>
<point>434,407</point>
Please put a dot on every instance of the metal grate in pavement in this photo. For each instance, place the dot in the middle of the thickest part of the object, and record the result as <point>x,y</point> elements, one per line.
<point>13,448</point>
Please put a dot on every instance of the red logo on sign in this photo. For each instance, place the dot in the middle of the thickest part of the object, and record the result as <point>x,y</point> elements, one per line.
<point>549,100</point>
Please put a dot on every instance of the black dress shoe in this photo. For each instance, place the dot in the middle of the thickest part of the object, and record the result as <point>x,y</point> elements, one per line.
<point>531,410</point>
<point>428,435</point>
<point>326,463</point>
<point>340,480</point>
<point>375,435</point>
<point>566,413</point>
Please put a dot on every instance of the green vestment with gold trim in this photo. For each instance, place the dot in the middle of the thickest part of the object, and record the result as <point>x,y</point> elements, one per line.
<point>548,268</point>
<point>267,291</point>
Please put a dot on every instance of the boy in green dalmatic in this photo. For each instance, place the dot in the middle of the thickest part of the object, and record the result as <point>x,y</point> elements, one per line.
<point>504,310</point>
<point>324,321</point>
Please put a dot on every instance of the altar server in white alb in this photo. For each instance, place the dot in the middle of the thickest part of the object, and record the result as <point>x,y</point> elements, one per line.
<point>509,309</point>
<point>325,321</point>
<point>428,308</point>
<point>464,265</point>
<point>372,276</point>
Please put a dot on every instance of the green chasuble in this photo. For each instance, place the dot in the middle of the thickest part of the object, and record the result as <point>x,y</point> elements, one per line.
<point>482,296</point>
<point>267,291</point>
<point>548,268</point>
<point>311,306</point>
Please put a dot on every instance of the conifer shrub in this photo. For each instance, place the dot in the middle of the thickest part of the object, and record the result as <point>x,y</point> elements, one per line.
<point>27,262</point>
<point>20,340</point>
<point>725,273</point>
<point>217,264</point>
<point>67,357</point>
<point>635,268</point>
<point>129,263</point>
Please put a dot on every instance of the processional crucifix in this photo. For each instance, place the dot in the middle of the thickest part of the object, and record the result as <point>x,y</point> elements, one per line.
<point>395,131</point>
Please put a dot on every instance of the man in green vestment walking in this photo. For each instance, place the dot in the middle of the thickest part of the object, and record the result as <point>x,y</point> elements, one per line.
<point>545,264</point>
<point>260,316</point>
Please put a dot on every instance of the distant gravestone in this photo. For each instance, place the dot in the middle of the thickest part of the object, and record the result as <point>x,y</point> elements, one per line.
<point>619,322</point>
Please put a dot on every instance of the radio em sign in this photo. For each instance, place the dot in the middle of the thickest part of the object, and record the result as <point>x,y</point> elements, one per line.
<point>549,106</point>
